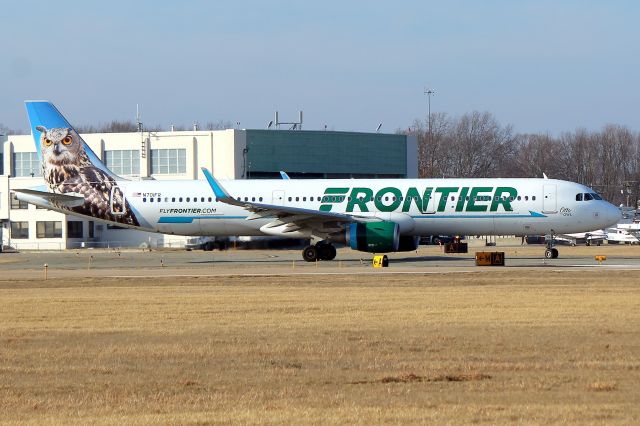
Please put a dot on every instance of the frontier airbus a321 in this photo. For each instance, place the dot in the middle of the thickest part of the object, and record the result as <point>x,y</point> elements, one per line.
<point>370,215</point>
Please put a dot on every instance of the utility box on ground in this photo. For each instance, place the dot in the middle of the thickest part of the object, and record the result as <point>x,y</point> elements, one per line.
<point>456,247</point>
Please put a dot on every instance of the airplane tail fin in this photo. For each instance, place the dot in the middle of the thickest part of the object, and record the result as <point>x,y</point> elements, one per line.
<point>51,130</point>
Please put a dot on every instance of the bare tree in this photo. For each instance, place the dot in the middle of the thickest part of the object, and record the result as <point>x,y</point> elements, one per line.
<point>4,130</point>
<point>219,125</point>
<point>477,145</point>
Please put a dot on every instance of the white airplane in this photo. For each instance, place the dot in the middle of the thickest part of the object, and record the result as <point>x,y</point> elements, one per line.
<point>622,235</point>
<point>588,238</point>
<point>370,215</point>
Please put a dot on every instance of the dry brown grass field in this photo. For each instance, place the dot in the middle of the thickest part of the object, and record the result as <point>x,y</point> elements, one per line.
<point>510,346</point>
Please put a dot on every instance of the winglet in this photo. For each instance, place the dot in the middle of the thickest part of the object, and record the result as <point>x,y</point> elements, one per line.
<point>220,193</point>
<point>284,175</point>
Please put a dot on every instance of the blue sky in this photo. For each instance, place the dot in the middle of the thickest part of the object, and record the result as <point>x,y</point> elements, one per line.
<point>538,65</point>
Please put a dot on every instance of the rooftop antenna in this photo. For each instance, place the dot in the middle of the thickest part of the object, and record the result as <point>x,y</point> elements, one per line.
<point>138,122</point>
<point>294,125</point>
<point>378,128</point>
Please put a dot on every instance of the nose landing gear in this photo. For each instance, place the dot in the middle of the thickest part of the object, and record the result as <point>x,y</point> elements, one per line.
<point>551,252</point>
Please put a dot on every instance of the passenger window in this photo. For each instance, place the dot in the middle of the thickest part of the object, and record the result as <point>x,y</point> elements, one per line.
<point>304,198</point>
<point>519,198</point>
<point>588,197</point>
<point>260,199</point>
<point>151,200</point>
<point>526,198</point>
<point>578,197</point>
<point>180,199</point>
<point>533,198</point>
<point>311,199</point>
<point>202,199</point>
<point>173,199</point>
<point>209,199</point>
<point>289,198</point>
<point>297,198</point>
<point>144,200</point>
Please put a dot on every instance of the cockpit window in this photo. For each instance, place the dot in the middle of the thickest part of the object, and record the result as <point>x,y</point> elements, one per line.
<point>588,197</point>
<point>578,197</point>
<point>596,196</point>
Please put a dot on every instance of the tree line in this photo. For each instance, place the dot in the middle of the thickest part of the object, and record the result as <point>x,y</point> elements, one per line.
<point>117,126</point>
<point>476,145</point>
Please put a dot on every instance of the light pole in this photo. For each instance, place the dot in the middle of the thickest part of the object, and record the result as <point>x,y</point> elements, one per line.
<point>429,92</point>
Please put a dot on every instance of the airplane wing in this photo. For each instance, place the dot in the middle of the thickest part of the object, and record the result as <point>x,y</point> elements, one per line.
<point>294,218</point>
<point>48,198</point>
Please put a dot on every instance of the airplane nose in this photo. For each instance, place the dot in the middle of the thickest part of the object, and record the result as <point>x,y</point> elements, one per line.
<point>611,214</point>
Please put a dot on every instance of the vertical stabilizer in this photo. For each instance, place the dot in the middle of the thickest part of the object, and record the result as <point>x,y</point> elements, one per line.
<point>52,132</point>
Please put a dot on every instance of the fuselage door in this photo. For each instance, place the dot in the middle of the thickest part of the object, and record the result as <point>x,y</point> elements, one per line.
<point>549,202</point>
<point>117,204</point>
<point>430,207</point>
<point>278,198</point>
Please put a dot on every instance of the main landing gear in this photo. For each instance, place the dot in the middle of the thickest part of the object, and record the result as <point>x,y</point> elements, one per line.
<point>320,251</point>
<point>551,252</point>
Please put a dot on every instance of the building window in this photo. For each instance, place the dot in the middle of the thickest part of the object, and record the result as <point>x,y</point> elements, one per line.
<point>74,229</point>
<point>91,229</point>
<point>168,161</point>
<point>123,162</point>
<point>26,164</point>
<point>19,230</point>
<point>18,204</point>
<point>49,229</point>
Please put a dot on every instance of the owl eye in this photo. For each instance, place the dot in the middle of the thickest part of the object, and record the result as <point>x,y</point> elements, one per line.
<point>67,140</point>
<point>47,142</point>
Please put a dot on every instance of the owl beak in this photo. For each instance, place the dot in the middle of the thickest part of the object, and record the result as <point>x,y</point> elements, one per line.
<point>56,148</point>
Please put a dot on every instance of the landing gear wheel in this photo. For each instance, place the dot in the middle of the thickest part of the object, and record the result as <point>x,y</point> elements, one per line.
<point>332,252</point>
<point>551,253</point>
<point>326,251</point>
<point>310,253</point>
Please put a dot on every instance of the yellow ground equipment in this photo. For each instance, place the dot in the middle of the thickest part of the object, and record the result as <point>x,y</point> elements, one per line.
<point>380,261</point>
<point>600,258</point>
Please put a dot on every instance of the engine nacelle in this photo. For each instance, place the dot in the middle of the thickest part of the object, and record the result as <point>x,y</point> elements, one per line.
<point>374,237</point>
<point>408,243</point>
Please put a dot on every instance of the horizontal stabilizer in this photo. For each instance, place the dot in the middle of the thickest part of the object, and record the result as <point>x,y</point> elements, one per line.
<point>46,198</point>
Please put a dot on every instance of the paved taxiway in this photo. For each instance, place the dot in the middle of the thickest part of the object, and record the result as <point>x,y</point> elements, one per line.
<point>428,259</point>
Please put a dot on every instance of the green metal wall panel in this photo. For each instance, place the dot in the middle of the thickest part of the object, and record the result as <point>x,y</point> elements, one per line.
<point>326,152</point>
